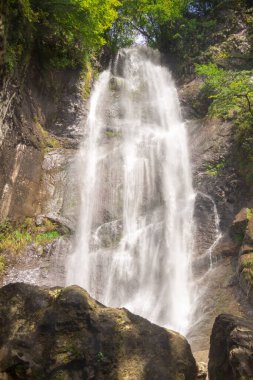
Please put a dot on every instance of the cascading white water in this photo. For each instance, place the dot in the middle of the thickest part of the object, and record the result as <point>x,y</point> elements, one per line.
<point>134,239</point>
<point>218,233</point>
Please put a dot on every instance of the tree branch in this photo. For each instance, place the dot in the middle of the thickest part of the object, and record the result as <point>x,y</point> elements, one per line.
<point>246,96</point>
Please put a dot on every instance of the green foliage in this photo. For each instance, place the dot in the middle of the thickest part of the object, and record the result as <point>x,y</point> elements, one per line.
<point>121,35</point>
<point>14,238</point>
<point>15,241</point>
<point>247,267</point>
<point>214,169</point>
<point>62,32</point>
<point>27,10</point>
<point>249,213</point>
<point>48,140</point>
<point>10,59</point>
<point>46,237</point>
<point>18,24</point>
<point>186,37</point>
<point>144,17</point>
<point>199,33</point>
<point>210,7</point>
<point>72,28</point>
<point>88,77</point>
<point>231,93</point>
<point>2,264</point>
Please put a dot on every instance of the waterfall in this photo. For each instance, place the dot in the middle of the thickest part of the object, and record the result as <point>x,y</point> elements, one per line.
<point>134,239</point>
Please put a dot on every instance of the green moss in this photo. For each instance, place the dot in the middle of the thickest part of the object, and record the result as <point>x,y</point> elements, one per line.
<point>238,237</point>
<point>249,213</point>
<point>112,134</point>
<point>48,140</point>
<point>247,267</point>
<point>215,169</point>
<point>2,264</point>
<point>15,237</point>
<point>46,237</point>
<point>54,293</point>
<point>88,77</point>
<point>14,241</point>
<point>231,96</point>
<point>10,59</point>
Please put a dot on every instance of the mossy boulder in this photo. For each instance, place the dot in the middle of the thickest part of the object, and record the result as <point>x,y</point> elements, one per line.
<point>65,334</point>
<point>239,225</point>
<point>248,239</point>
<point>245,272</point>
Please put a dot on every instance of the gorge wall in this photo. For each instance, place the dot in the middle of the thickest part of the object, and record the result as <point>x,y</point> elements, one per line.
<point>219,182</point>
<point>42,117</point>
<point>41,125</point>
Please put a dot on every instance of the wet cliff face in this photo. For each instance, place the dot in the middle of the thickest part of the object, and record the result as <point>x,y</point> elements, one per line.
<point>213,143</point>
<point>40,120</point>
<point>41,124</point>
<point>2,42</point>
<point>221,192</point>
<point>20,155</point>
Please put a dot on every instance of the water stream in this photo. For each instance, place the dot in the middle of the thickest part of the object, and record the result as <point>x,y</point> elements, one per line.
<point>134,240</point>
<point>218,233</point>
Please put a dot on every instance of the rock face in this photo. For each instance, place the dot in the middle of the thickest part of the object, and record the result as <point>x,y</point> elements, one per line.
<point>2,42</point>
<point>41,113</point>
<point>231,351</point>
<point>239,224</point>
<point>42,119</point>
<point>65,334</point>
<point>241,232</point>
<point>221,191</point>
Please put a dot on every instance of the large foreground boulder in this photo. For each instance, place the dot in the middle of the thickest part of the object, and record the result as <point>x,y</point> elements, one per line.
<point>231,350</point>
<point>63,334</point>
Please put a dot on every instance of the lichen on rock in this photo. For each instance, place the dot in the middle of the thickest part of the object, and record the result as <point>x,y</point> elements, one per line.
<point>65,334</point>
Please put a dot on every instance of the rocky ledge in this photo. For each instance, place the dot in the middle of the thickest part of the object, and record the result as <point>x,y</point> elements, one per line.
<point>63,334</point>
<point>241,232</point>
<point>231,350</point>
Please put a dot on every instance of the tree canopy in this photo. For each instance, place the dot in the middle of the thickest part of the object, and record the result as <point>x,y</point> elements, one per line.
<point>73,26</point>
<point>61,31</point>
<point>145,17</point>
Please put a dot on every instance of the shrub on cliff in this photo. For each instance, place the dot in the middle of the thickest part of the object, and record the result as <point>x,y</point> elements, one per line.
<point>232,99</point>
